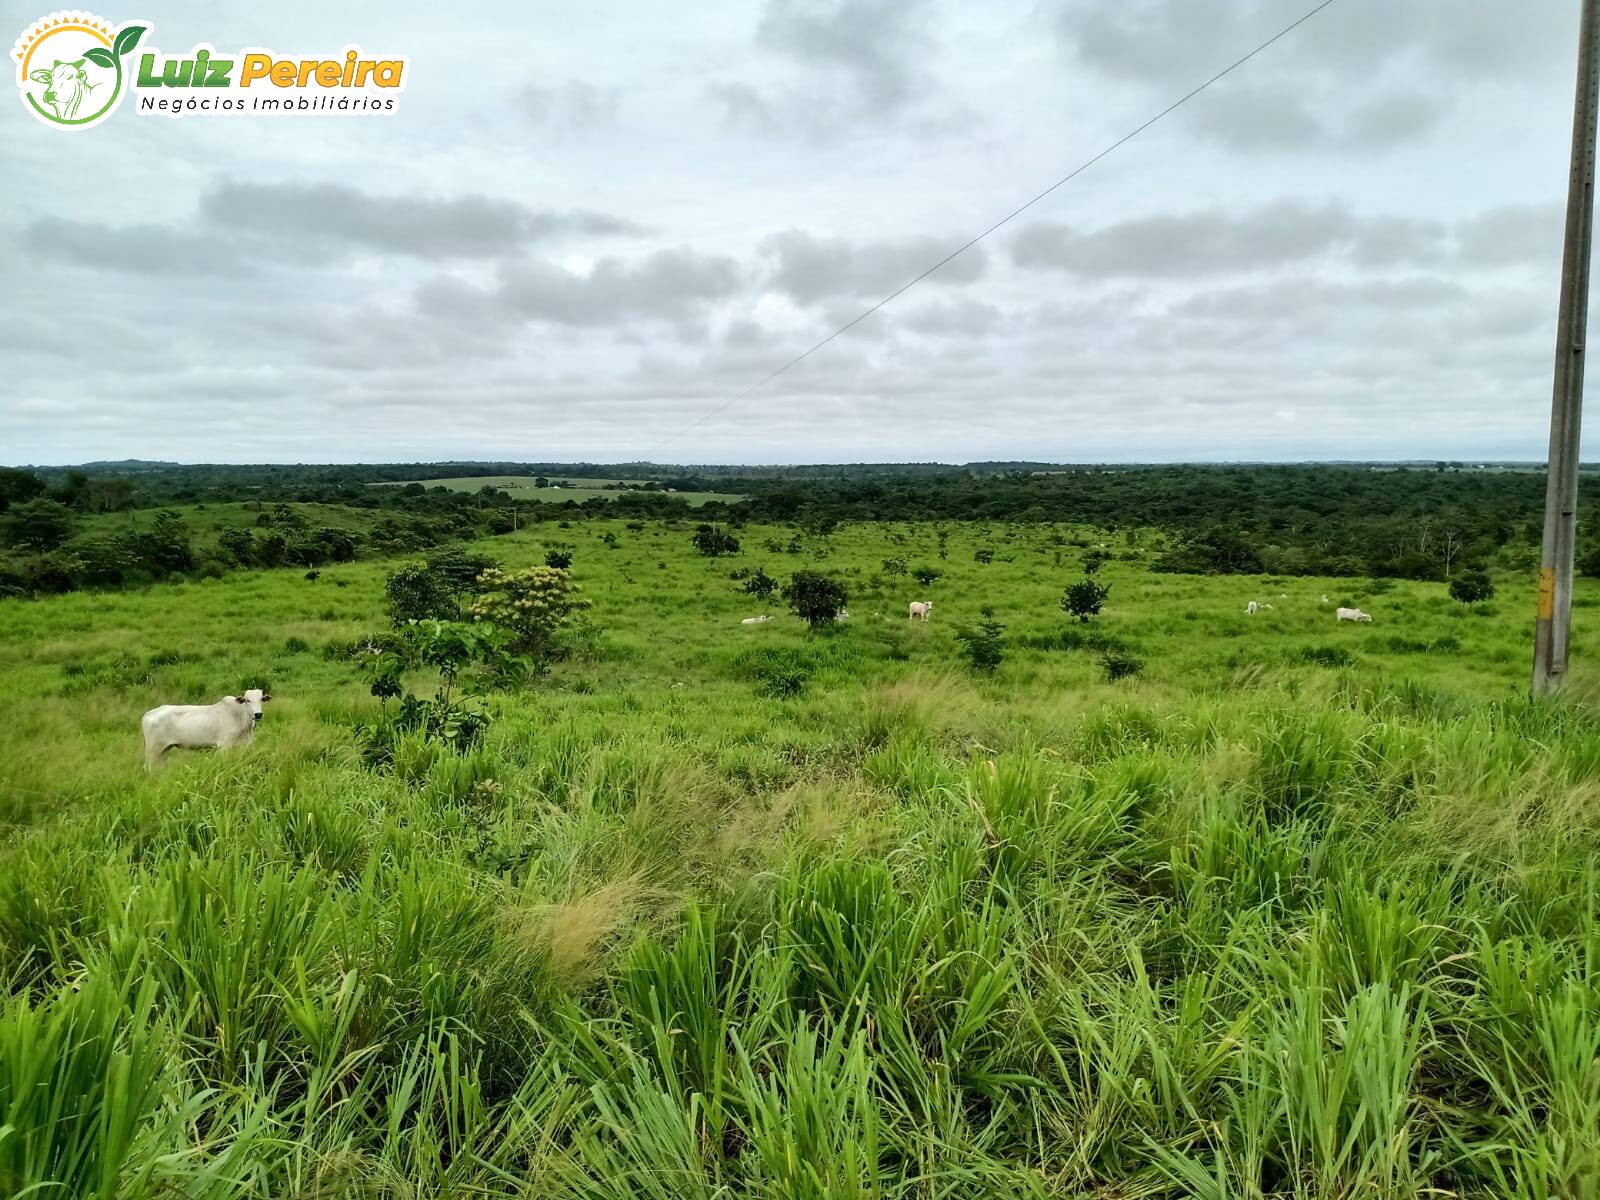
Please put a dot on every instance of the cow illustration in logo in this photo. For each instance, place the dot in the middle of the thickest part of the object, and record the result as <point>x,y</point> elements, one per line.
<point>70,67</point>
<point>66,87</point>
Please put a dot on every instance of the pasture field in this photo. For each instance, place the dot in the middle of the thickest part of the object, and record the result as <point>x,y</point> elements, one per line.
<point>579,489</point>
<point>1291,909</point>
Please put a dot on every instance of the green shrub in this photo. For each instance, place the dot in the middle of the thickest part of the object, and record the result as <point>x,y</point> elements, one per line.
<point>815,598</point>
<point>1084,599</point>
<point>1472,587</point>
<point>1118,664</point>
<point>537,607</point>
<point>415,593</point>
<point>983,643</point>
<point>712,542</point>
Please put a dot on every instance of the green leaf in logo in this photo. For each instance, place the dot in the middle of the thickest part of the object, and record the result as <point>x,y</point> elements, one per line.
<point>129,38</point>
<point>100,57</point>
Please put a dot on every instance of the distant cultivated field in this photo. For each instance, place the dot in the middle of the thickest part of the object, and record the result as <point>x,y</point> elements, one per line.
<point>521,487</point>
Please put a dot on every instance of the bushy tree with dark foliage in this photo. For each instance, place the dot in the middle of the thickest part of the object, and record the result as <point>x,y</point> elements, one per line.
<point>815,598</point>
<point>1472,587</point>
<point>713,542</point>
<point>1085,598</point>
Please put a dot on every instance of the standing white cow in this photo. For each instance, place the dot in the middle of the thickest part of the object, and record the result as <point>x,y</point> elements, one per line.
<point>921,609</point>
<point>1251,608</point>
<point>1350,614</point>
<point>229,722</point>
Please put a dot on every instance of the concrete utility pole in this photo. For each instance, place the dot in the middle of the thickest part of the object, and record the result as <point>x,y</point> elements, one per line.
<point>1566,410</point>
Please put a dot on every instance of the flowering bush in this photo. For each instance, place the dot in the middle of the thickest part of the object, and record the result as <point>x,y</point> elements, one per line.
<point>536,606</point>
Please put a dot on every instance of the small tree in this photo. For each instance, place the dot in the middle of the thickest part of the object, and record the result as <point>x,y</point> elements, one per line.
<point>983,642</point>
<point>711,541</point>
<point>926,576</point>
<point>417,594</point>
<point>558,558</point>
<point>1094,560</point>
<point>761,585</point>
<point>816,598</point>
<point>166,546</point>
<point>237,544</point>
<point>984,555</point>
<point>38,524</point>
<point>894,566</point>
<point>107,561</point>
<point>1084,599</point>
<point>456,569</point>
<point>535,606</point>
<point>1472,587</point>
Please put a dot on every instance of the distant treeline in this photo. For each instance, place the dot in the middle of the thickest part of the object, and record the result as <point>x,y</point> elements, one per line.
<point>55,539</point>
<point>1412,521</point>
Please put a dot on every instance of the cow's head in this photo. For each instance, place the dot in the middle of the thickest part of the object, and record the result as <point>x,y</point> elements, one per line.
<point>66,85</point>
<point>255,697</point>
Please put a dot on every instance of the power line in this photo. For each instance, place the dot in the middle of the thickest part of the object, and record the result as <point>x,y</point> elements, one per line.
<point>1007,219</point>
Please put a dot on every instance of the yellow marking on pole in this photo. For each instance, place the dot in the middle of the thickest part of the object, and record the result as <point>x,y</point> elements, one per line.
<point>1547,593</point>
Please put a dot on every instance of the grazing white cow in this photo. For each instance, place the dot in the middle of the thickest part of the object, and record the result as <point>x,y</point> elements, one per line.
<point>66,87</point>
<point>921,609</point>
<point>1251,608</point>
<point>755,620</point>
<point>229,722</point>
<point>1350,614</point>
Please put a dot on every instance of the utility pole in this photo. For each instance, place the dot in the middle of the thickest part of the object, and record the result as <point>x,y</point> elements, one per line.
<point>1566,409</point>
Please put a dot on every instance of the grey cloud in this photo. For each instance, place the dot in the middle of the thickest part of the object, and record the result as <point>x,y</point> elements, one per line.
<point>860,68</point>
<point>670,285</point>
<point>574,105</point>
<point>1154,40</point>
<point>1397,63</point>
<point>809,268</point>
<point>1254,115</point>
<point>243,227</point>
<point>465,226</point>
<point>138,249</point>
<point>1229,241</point>
<point>869,42</point>
<point>953,318</point>
<point>1513,235</point>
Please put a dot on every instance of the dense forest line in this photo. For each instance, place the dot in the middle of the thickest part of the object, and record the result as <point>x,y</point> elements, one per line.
<point>1407,521</point>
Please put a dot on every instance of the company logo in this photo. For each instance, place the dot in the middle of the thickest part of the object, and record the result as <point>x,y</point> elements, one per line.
<point>73,69</point>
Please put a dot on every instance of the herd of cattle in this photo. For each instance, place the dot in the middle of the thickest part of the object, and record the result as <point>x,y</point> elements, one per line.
<point>232,720</point>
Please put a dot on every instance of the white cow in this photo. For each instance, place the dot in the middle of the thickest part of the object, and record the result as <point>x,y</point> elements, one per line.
<point>229,722</point>
<point>66,87</point>
<point>922,609</point>
<point>1251,608</point>
<point>1324,600</point>
<point>842,615</point>
<point>755,620</point>
<point>1350,614</point>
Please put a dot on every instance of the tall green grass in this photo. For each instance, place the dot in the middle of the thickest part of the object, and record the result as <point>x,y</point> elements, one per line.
<point>1257,923</point>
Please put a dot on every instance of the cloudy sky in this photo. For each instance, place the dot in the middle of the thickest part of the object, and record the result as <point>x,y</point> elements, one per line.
<point>589,226</point>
